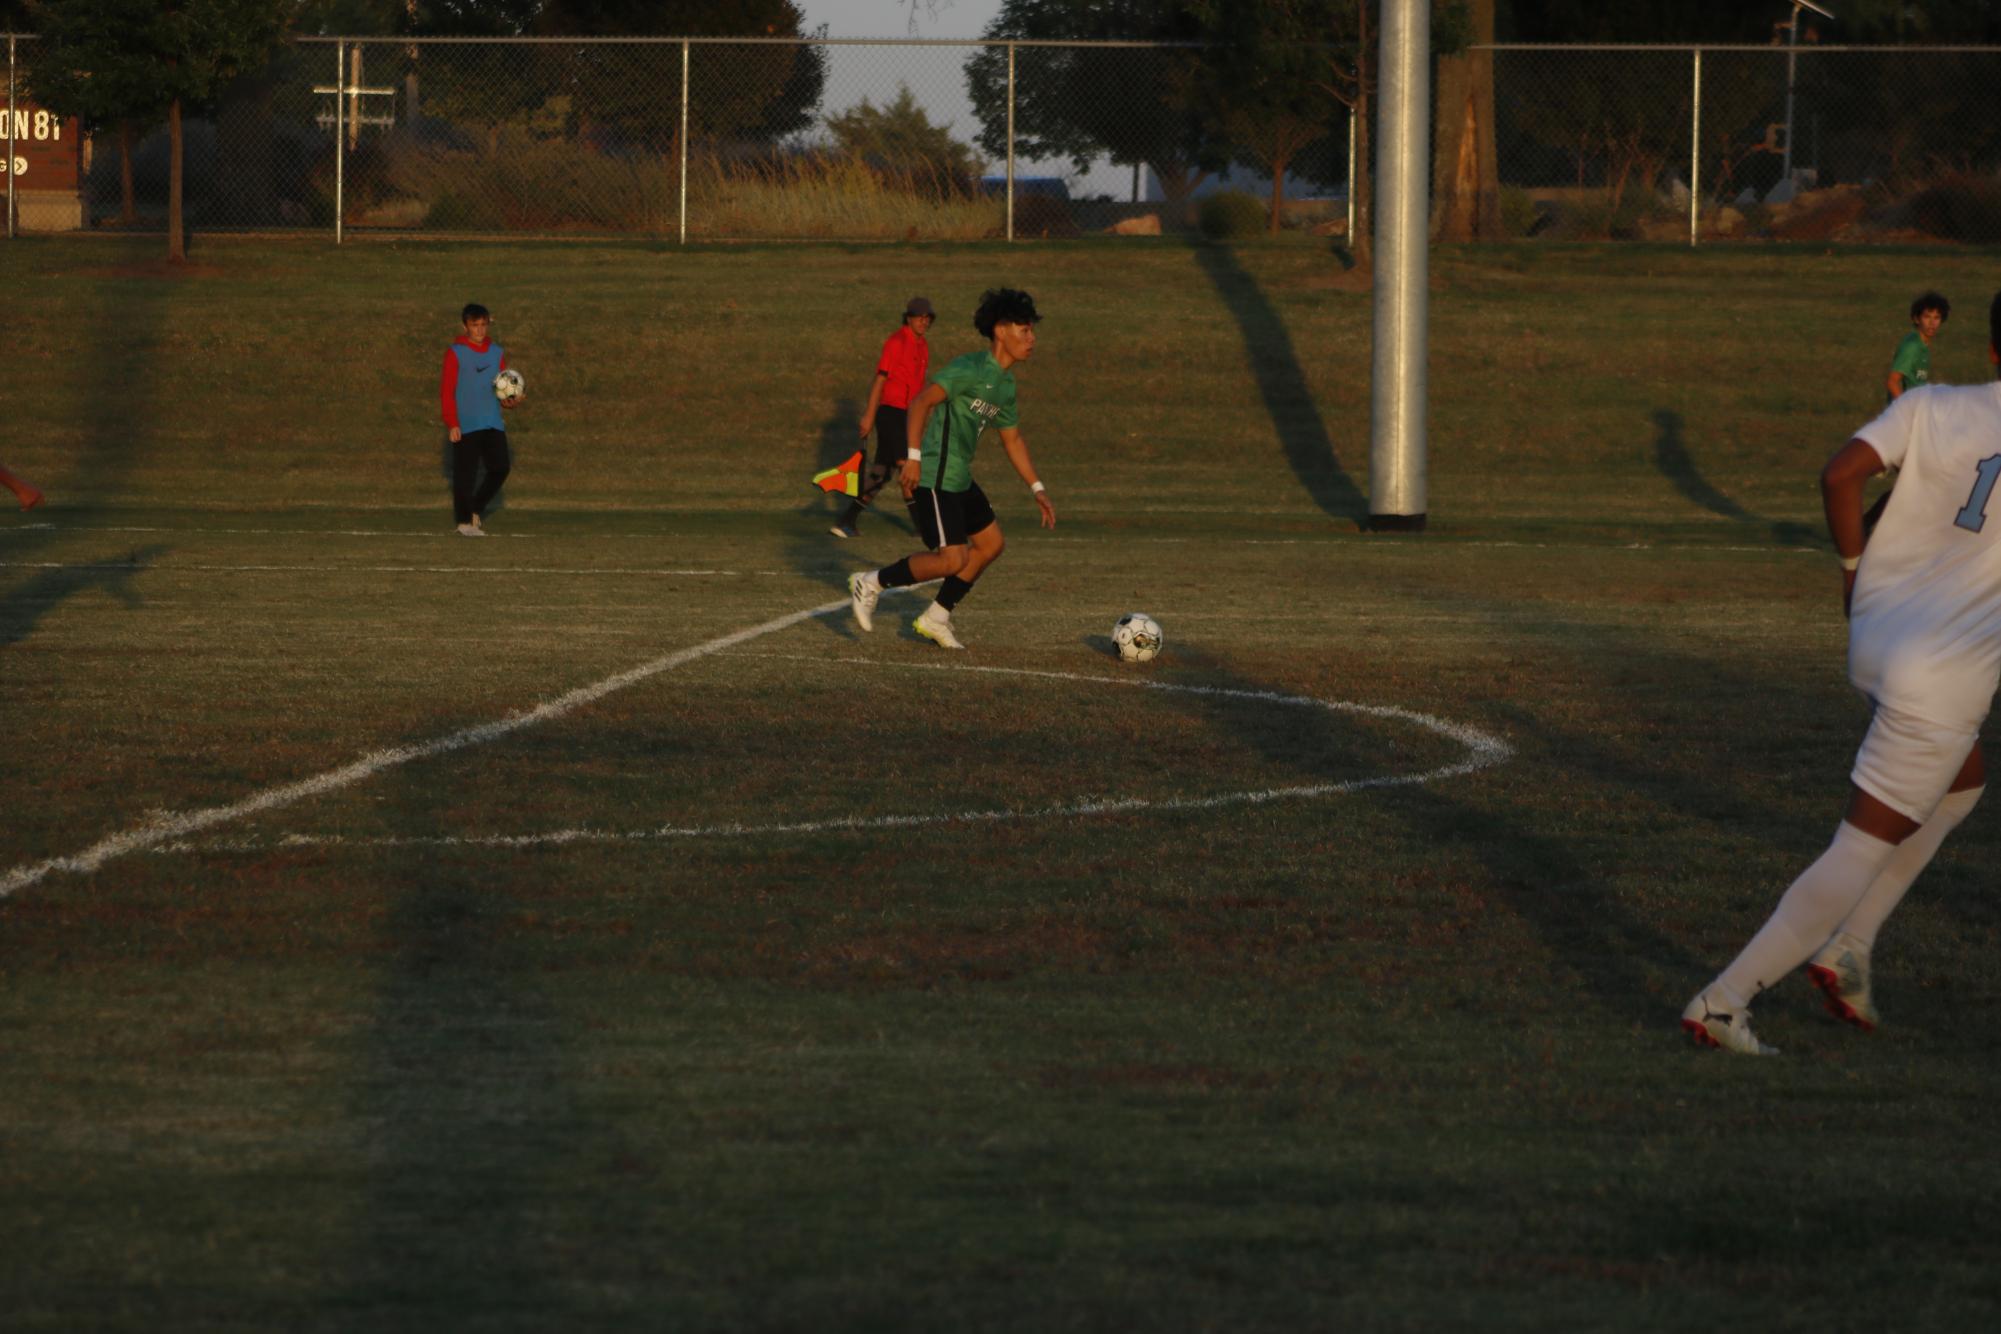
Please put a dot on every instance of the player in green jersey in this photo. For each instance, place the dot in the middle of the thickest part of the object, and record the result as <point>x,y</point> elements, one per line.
<point>1911,367</point>
<point>944,426</point>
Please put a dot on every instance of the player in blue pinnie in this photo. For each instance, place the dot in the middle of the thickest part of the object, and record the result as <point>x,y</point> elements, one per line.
<point>472,418</point>
<point>943,428</point>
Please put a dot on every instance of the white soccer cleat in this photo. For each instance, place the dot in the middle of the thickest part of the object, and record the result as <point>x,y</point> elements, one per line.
<point>471,530</point>
<point>936,625</point>
<point>863,591</point>
<point>1727,1029</point>
<point>1841,971</point>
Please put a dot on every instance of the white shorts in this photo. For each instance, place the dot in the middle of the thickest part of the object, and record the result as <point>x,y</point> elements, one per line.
<point>1908,763</point>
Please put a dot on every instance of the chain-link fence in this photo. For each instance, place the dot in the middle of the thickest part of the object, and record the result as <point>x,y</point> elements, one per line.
<point>785,138</point>
<point>1680,143</point>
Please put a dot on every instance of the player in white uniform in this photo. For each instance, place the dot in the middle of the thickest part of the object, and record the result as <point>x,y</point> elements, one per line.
<point>1924,644</point>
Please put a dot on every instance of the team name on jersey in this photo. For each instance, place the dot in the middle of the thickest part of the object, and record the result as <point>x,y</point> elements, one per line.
<point>986,410</point>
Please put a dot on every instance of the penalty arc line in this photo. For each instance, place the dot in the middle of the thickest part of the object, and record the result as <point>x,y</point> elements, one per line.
<point>1483,751</point>
<point>173,825</point>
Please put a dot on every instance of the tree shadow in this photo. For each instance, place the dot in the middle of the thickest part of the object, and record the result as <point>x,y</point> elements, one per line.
<point>1288,399</point>
<point>23,606</point>
<point>1675,463</point>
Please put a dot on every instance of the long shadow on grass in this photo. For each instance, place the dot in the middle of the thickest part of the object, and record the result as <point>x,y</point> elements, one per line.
<point>487,1186</point>
<point>117,380</point>
<point>1282,386</point>
<point>1570,906</point>
<point>23,606</point>
<point>1676,464</point>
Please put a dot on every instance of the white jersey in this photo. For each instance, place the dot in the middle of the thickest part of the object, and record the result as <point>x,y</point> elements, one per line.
<point>1925,632</point>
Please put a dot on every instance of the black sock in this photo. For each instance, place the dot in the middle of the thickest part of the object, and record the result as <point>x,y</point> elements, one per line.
<point>854,512</point>
<point>953,589</point>
<point>897,575</point>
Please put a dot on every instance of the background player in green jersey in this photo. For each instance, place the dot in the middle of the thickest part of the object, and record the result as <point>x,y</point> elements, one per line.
<point>1911,367</point>
<point>944,427</point>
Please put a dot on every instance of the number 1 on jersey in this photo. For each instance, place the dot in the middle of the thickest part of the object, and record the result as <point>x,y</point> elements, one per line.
<point>1974,516</point>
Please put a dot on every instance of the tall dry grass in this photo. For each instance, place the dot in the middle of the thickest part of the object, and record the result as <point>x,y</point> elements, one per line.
<point>530,184</point>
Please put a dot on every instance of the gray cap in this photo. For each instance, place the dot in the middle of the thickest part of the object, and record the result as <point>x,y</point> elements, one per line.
<point>919,306</point>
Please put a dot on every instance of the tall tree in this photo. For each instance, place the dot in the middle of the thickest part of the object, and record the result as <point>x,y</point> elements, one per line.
<point>171,54</point>
<point>85,65</point>
<point>1466,177</point>
<point>1081,103</point>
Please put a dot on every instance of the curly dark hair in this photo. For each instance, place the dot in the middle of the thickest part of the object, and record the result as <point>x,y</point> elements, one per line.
<point>1931,301</point>
<point>1003,305</point>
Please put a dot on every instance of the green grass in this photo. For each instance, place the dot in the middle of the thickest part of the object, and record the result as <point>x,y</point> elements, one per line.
<point>1402,1058</point>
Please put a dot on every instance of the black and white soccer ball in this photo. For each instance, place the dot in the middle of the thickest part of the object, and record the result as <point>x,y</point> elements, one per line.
<point>1137,637</point>
<point>508,386</point>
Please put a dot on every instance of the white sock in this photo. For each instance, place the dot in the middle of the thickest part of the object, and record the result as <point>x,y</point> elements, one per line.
<point>1807,915</point>
<point>1905,865</point>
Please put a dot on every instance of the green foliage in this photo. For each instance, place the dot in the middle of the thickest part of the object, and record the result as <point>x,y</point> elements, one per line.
<point>1230,215</point>
<point>1518,211</point>
<point>1061,105</point>
<point>90,61</point>
<point>901,136</point>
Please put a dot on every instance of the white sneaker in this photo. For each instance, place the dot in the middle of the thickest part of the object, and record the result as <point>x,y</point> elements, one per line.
<point>1841,971</point>
<point>863,590</point>
<point>936,625</point>
<point>471,530</point>
<point>1729,1030</point>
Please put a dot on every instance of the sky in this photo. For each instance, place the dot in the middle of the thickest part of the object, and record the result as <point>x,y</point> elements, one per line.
<point>933,75</point>
<point>891,18</point>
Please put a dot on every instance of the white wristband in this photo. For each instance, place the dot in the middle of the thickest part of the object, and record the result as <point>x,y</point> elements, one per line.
<point>914,455</point>
<point>1037,487</point>
<point>1850,562</point>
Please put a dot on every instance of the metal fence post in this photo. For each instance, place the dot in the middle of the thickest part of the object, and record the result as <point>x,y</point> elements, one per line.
<point>1010,141</point>
<point>1695,152</point>
<point>684,144</point>
<point>1397,382</point>
<point>340,140</point>
<point>1351,178</point>
<point>10,134</point>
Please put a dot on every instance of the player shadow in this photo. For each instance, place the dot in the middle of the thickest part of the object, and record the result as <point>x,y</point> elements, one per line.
<point>1675,463</point>
<point>1287,398</point>
<point>23,606</point>
<point>810,547</point>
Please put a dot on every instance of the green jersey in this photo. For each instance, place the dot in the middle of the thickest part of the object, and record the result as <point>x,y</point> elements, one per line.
<point>978,394</point>
<point>1913,361</point>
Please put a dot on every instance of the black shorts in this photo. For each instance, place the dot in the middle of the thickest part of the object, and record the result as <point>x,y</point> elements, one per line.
<point>948,518</point>
<point>890,427</point>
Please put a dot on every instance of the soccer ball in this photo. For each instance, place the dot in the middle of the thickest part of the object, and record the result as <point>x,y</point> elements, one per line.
<point>1137,637</point>
<point>509,386</point>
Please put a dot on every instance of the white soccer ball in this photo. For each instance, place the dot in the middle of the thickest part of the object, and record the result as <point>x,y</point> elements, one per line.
<point>509,386</point>
<point>1137,637</point>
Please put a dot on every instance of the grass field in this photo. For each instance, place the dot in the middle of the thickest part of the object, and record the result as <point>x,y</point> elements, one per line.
<point>779,977</point>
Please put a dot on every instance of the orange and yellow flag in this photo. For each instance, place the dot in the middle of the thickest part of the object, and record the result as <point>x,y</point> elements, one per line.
<point>846,478</point>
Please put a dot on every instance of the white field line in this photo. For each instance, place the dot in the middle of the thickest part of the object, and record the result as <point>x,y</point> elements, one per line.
<point>170,567</point>
<point>171,825</point>
<point>1348,543</point>
<point>1483,750</point>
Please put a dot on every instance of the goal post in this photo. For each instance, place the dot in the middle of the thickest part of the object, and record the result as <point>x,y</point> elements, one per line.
<point>1397,388</point>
